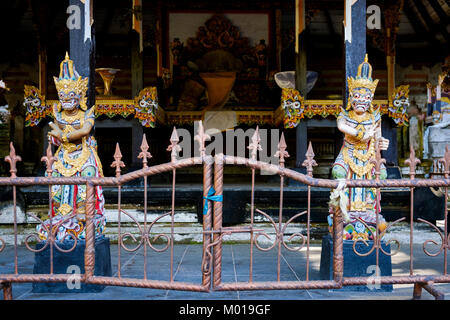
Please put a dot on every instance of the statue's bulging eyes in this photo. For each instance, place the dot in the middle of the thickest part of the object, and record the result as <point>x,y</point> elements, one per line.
<point>36,102</point>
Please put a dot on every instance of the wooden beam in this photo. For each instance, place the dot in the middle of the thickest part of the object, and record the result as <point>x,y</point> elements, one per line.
<point>137,50</point>
<point>328,39</point>
<point>335,37</point>
<point>300,22</point>
<point>109,19</point>
<point>137,65</point>
<point>422,34</point>
<point>159,35</point>
<point>39,12</point>
<point>444,19</point>
<point>42,63</point>
<point>82,48</point>
<point>429,21</point>
<point>388,126</point>
<point>329,4</point>
<point>300,47</point>
<point>279,43</point>
<point>329,22</point>
<point>391,22</point>
<point>390,63</point>
<point>11,18</point>
<point>426,55</point>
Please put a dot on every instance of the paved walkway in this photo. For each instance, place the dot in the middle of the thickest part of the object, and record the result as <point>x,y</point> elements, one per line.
<point>186,268</point>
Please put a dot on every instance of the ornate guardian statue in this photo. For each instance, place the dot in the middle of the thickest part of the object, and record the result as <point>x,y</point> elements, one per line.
<point>76,156</point>
<point>361,125</point>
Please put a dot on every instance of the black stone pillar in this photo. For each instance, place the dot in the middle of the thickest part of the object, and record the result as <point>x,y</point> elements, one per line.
<point>302,142</point>
<point>82,51</point>
<point>300,79</point>
<point>355,41</point>
<point>137,65</point>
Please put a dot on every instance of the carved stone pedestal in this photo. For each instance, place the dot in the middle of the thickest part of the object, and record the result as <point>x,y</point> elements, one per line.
<point>71,263</point>
<point>356,266</point>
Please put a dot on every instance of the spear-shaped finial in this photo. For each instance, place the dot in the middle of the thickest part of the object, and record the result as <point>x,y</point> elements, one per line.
<point>49,159</point>
<point>12,158</point>
<point>201,137</point>
<point>117,163</point>
<point>255,145</point>
<point>412,162</point>
<point>144,154</point>
<point>281,152</point>
<point>174,147</point>
<point>309,162</point>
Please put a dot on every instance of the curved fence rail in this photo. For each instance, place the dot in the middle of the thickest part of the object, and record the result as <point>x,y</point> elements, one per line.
<point>213,231</point>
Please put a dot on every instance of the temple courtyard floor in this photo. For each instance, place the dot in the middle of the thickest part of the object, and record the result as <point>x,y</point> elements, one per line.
<point>235,268</point>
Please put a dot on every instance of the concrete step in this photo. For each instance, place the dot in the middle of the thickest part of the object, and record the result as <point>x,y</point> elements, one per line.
<point>187,229</point>
<point>236,197</point>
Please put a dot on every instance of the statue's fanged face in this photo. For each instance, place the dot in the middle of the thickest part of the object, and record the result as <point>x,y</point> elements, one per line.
<point>360,100</point>
<point>401,102</point>
<point>69,101</point>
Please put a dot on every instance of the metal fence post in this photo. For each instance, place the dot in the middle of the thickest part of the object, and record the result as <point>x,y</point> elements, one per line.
<point>7,291</point>
<point>338,247</point>
<point>207,218</point>
<point>89,253</point>
<point>218,187</point>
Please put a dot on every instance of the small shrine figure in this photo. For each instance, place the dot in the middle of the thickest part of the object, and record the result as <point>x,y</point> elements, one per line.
<point>361,125</point>
<point>76,156</point>
<point>261,52</point>
<point>176,47</point>
<point>438,116</point>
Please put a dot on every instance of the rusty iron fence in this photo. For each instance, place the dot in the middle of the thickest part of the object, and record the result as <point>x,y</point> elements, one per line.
<point>213,231</point>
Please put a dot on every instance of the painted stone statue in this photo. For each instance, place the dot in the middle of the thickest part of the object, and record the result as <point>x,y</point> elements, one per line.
<point>437,134</point>
<point>361,125</point>
<point>76,156</point>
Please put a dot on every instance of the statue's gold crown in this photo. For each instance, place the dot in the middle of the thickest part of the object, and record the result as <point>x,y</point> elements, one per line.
<point>363,78</point>
<point>69,80</point>
<point>400,91</point>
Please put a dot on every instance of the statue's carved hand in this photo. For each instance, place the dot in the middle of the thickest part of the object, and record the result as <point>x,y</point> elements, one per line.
<point>383,143</point>
<point>369,134</point>
<point>56,132</point>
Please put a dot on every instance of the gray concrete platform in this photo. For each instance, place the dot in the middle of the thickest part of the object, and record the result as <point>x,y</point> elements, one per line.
<point>235,267</point>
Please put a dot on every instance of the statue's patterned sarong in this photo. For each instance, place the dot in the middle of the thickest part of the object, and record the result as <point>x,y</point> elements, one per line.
<point>76,157</point>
